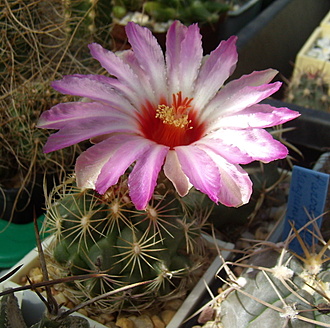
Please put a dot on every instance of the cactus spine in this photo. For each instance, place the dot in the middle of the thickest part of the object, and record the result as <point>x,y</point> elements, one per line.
<point>107,234</point>
<point>309,90</point>
<point>278,289</point>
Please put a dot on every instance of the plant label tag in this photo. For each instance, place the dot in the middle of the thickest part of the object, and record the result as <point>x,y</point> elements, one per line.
<point>307,197</point>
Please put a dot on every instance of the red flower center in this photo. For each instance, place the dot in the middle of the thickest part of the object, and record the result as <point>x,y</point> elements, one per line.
<point>171,125</point>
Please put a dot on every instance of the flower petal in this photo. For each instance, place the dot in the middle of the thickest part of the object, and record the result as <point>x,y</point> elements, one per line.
<point>142,180</point>
<point>225,149</point>
<point>129,58</point>
<point>215,71</point>
<point>173,171</point>
<point>241,93</point>
<point>121,70</point>
<point>200,169</point>
<point>127,152</point>
<point>83,129</point>
<point>184,54</point>
<point>256,116</point>
<point>90,163</point>
<point>62,114</point>
<point>256,143</point>
<point>95,87</point>
<point>235,184</point>
<point>149,55</point>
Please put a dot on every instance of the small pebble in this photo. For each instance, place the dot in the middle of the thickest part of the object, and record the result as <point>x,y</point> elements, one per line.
<point>142,321</point>
<point>111,324</point>
<point>173,304</point>
<point>125,323</point>
<point>83,312</point>
<point>60,298</point>
<point>167,316</point>
<point>158,322</point>
<point>206,315</point>
<point>98,319</point>
<point>107,317</point>
<point>321,49</point>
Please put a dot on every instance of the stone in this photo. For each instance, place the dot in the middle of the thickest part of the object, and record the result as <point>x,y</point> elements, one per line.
<point>173,304</point>
<point>206,315</point>
<point>142,321</point>
<point>167,316</point>
<point>125,323</point>
<point>157,321</point>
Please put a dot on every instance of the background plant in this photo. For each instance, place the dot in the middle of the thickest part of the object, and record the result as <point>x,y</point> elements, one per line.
<point>310,90</point>
<point>187,11</point>
<point>40,41</point>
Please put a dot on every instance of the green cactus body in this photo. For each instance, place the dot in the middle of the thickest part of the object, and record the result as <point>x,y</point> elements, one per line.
<point>191,11</point>
<point>88,18</point>
<point>106,234</point>
<point>309,90</point>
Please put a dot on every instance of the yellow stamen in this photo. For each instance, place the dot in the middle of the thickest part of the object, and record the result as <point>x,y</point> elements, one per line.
<point>167,115</point>
<point>177,114</point>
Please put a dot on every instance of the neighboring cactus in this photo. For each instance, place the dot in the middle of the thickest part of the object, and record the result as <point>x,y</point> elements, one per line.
<point>192,11</point>
<point>88,20</point>
<point>278,289</point>
<point>35,50</point>
<point>107,234</point>
<point>11,317</point>
<point>309,90</point>
<point>10,313</point>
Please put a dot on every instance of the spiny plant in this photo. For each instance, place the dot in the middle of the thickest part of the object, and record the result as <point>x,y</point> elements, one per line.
<point>278,288</point>
<point>309,90</point>
<point>11,315</point>
<point>88,20</point>
<point>192,11</point>
<point>39,42</point>
<point>106,234</point>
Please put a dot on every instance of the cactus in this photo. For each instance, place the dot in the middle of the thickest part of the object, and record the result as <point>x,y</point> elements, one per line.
<point>192,11</point>
<point>107,234</point>
<point>88,19</point>
<point>309,90</point>
<point>33,51</point>
<point>279,288</point>
<point>10,314</point>
<point>11,317</point>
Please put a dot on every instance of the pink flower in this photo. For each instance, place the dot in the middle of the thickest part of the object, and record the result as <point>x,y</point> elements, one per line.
<point>171,113</point>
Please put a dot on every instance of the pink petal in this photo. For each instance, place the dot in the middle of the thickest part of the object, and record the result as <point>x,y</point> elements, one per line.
<point>215,71</point>
<point>143,179</point>
<point>95,87</point>
<point>129,58</point>
<point>225,101</point>
<point>62,114</point>
<point>121,70</point>
<point>184,53</point>
<point>149,55</point>
<point>200,169</point>
<point>90,163</point>
<point>231,101</point>
<point>256,143</point>
<point>85,128</point>
<point>127,152</point>
<point>256,116</point>
<point>173,171</point>
<point>235,184</point>
<point>225,149</point>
